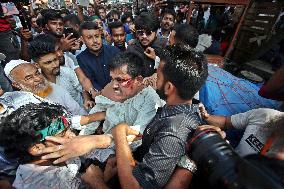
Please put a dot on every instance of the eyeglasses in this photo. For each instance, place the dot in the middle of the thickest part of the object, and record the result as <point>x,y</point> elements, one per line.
<point>142,32</point>
<point>123,82</point>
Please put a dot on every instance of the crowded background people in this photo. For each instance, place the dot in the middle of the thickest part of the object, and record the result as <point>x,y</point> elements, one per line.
<point>98,94</point>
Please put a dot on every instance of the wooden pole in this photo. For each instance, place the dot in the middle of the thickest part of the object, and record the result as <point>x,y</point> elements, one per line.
<point>231,46</point>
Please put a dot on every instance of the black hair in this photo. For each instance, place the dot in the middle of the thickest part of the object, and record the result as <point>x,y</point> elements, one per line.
<point>65,11</point>
<point>100,7</point>
<point>186,34</point>
<point>186,69</point>
<point>115,25</point>
<point>125,16</point>
<point>50,14</point>
<point>113,12</point>
<point>72,18</point>
<point>39,22</point>
<point>168,11</point>
<point>147,21</point>
<point>88,25</point>
<point>135,64</point>
<point>18,130</point>
<point>41,45</point>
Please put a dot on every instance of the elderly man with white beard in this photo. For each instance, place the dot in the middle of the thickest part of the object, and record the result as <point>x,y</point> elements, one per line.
<point>27,77</point>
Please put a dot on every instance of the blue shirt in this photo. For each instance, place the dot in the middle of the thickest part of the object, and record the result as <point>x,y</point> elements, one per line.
<point>96,68</point>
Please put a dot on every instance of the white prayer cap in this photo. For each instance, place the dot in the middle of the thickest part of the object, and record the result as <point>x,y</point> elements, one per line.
<point>12,64</point>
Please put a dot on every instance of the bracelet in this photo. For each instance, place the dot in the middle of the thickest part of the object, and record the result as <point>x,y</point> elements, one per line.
<point>187,163</point>
<point>91,90</point>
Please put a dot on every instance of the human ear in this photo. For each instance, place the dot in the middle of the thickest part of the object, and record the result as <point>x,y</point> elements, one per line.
<point>169,88</point>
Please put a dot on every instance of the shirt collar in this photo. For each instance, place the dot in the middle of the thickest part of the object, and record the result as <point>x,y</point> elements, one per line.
<point>100,52</point>
<point>167,111</point>
<point>161,34</point>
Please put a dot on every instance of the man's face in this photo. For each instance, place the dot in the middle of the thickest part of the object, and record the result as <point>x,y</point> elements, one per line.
<point>55,27</point>
<point>33,23</point>
<point>90,10</point>
<point>28,78</point>
<point>102,14</point>
<point>113,18</point>
<point>129,21</point>
<point>92,39</point>
<point>49,64</point>
<point>146,38</point>
<point>118,36</point>
<point>123,84</point>
<point>167,22</point>
<point>161,81</point>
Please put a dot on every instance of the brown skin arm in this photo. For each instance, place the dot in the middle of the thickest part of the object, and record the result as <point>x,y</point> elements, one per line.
<point>180,179</point>
<point>220,121</point>
<point>94,178</point>
<point>25,35</point>
<point>125,161</point>
<point>99,116</point>
<point>68,148</point>
<point>275,83</point>
<point>85,82</point>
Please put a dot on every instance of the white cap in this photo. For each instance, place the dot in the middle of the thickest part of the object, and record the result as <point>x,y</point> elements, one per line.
<point>12,64</point>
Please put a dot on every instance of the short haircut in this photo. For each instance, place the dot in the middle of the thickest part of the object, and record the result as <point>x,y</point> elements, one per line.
<point>113,12</point>
<point>72,18</point>
<point>99,8</point>
<point>125,16</point>
<point>186,69</point>
<point>115,25</point>
<point>186,34</point>
<point>39,22</point>
<point>41,45</point>
<point>18,130</point>
<point>64,11</point>
<point>135,64</point>
<point>147,21</point>
<point>50,14</point>
<point>88,26</point>
<point>168,11</point>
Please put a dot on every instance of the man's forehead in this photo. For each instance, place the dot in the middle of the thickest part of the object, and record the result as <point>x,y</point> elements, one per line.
<point>119,72</point>
<point>118,30</point>
<point>48,57</point>
<point>24,70</point>
<point>91,32</point>
<point>55,21</point>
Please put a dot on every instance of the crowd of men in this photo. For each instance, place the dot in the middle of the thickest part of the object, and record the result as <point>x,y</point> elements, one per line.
<point>107,97</point>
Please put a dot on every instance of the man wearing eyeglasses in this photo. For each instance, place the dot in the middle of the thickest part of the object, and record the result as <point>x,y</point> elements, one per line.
<point>146,25</point>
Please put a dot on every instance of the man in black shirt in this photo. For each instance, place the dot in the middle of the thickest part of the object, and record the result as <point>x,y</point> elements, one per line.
<point>180,75</point>
<point>146,25</point>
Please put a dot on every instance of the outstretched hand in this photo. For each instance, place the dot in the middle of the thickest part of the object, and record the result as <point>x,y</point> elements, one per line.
<point>70,148</point>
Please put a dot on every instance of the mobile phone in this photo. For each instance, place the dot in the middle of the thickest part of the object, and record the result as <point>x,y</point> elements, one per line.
<point>25,23</point>
<point>68,30</point>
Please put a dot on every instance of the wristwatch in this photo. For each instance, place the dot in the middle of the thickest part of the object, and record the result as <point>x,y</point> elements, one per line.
<point>187,163</point>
